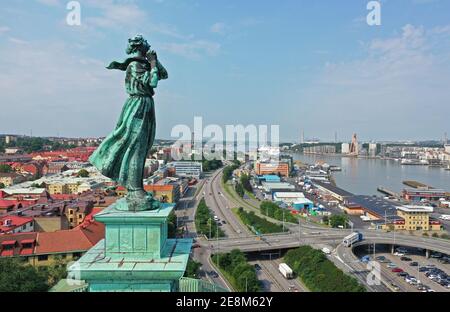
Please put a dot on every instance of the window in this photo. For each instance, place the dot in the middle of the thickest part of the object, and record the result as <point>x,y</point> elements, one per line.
<point>76,255</point>
<point>43,258</point>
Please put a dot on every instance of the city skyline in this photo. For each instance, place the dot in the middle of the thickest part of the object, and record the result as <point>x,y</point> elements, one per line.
<point>318,66</point>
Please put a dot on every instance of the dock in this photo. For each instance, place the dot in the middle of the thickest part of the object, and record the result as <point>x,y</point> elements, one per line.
<point>388,192</point>
<point>417,185</point>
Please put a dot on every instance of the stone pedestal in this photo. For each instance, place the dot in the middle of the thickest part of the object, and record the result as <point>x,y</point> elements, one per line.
<point>135,255</point>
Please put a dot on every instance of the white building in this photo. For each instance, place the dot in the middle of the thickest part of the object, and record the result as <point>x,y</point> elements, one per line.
<point>190,169</point>
<point>447,148</point>
<point>288,197</point>
<point>345,148</point>
<point>373,149</point>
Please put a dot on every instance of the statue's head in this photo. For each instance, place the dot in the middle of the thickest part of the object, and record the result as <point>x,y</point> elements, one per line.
<point>138,44</point>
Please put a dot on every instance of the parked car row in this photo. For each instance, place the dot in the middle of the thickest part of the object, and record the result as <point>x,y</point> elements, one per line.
<point>413,281</point>
<point>436,275</point>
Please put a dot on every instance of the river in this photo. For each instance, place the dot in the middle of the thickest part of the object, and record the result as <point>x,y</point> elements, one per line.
<point>363,176</point>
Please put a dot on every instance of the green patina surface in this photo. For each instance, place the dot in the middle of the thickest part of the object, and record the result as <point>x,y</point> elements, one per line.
<point>122,154</point>
<point>135,254</point>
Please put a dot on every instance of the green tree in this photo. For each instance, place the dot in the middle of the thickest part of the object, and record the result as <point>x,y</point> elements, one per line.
<point>55,271</point>
<point>338,221</point>
<point>4,168</point>
<point>243,275</point>
<point>15,276</point>
<point>172,225</point>
<point>239,189</point>
<point>204,221</point>
<point>83,173</point>
<point>2,185</point>
<point>228,172</point>
<point>245,181</point>
<point>318,273</point>
<point>192,269</point>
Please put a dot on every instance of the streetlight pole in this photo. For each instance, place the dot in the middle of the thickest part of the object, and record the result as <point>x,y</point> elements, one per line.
<point>218,247</point>
<point>210,225</point>
<point>283,220</point>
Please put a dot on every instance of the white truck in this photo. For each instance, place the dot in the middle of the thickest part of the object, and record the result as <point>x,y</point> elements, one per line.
<point>352,239</point>
<point>286,271</point>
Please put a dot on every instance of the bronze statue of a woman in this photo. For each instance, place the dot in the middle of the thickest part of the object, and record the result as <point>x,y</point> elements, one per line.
<point>122,155</point>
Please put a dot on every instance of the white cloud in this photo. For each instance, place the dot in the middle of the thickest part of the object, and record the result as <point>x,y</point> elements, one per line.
<point>49,2</point>
<point>49,84</point>
<point>194,49</point>
<point>218,28</point>
<point>4,29</point>
<point>401,83</point>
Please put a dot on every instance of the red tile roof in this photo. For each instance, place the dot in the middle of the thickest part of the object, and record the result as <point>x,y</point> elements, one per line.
<point>9,239</point>
<point>9,242</point>
<point>16,222</point>
<point>80,239</point>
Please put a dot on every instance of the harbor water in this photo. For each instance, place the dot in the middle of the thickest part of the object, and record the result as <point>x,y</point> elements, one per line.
<point>363,176</point>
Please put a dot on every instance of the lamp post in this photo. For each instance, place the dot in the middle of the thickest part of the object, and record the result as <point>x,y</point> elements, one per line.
<point>210,225</point>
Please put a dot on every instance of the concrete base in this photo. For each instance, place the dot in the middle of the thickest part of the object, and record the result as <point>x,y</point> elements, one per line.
<point>135,254</point>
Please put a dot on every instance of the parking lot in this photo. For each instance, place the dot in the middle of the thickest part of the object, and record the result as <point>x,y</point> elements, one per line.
<point>411,271</point>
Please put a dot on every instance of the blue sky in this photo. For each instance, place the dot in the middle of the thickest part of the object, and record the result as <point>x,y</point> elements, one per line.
<point>313,64</point>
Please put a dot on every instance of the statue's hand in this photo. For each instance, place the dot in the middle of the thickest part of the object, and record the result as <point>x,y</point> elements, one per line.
<point>152,56</point>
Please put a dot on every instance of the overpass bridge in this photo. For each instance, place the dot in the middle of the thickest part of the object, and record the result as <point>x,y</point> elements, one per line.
<point>325,236</point>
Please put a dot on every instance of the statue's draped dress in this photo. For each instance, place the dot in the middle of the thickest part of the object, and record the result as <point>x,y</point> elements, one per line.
<point>122,155</point>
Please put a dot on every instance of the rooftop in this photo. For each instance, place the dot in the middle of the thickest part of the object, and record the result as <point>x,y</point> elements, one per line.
<point>376,205</point>
<point>289,194</point>
<point>278,185</point>
<point>413,208</point>
<point>334,189</point>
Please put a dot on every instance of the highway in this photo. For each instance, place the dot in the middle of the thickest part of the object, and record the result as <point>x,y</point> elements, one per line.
<point>306,233</point>
<point>218,203</point>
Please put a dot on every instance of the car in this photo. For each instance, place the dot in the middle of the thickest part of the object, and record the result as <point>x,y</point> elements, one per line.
<point>365,259</point>
<point>214,274</point>
<point>402,250</point>
<point>380,258</point>
<point>196,245</point>
<point>399,254</point>
<point>391,265</point>
<point>406,259</point>
<point>423,269</point>
<point>436,255</point>
<point>224,222</point>
<point>414,264</point>
<point>397,270</point>
<point>402,274</point>
<point>395,287</point>
<point>257,267</point>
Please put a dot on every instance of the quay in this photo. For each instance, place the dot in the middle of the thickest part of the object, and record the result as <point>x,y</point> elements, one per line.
<point>386,191</point>
<point>417,185</point>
